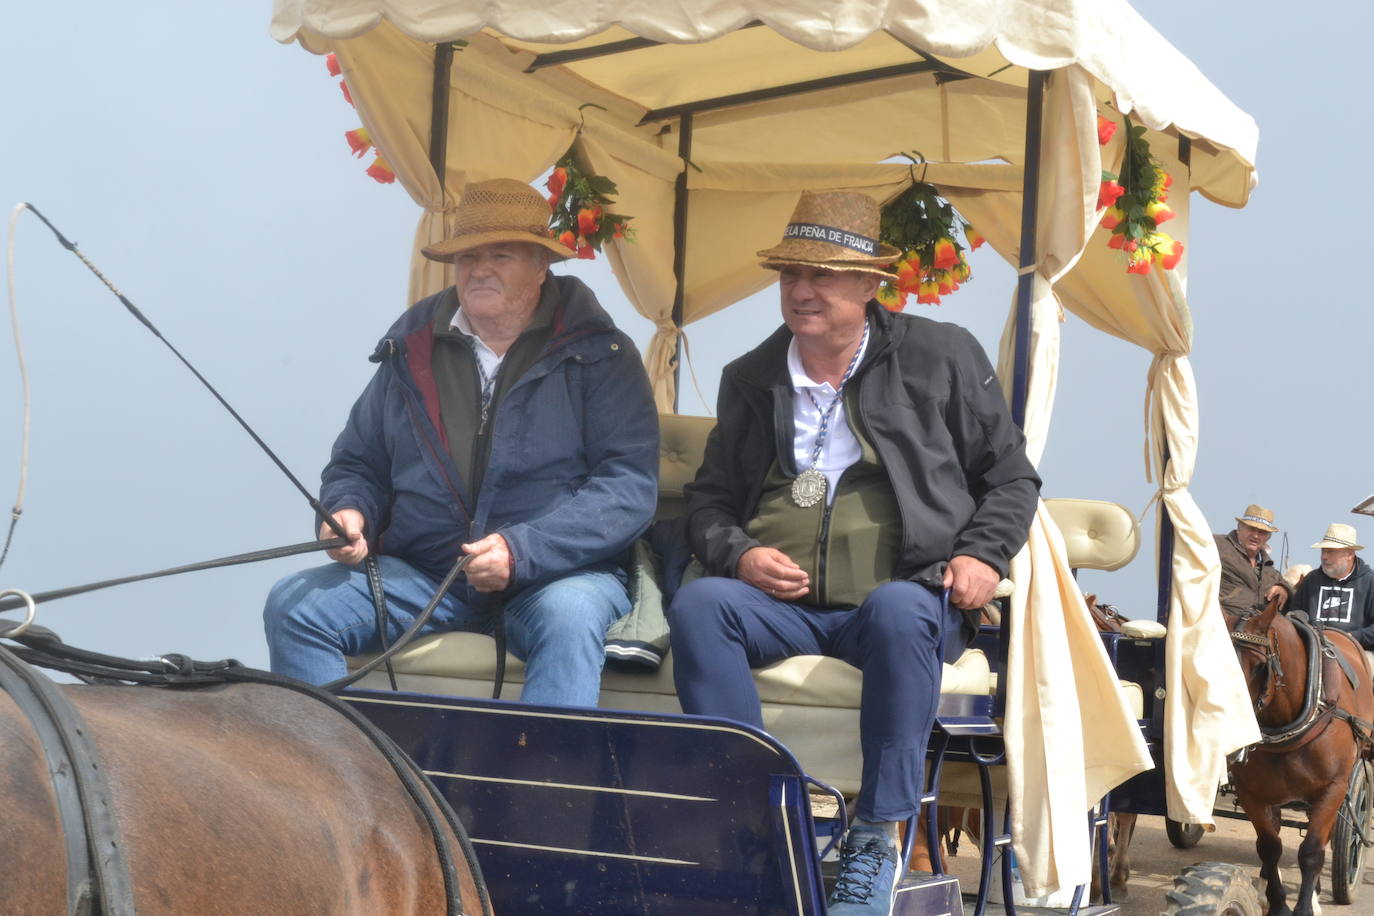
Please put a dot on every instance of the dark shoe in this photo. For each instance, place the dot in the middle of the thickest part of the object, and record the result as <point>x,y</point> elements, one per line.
<point>868,875</point>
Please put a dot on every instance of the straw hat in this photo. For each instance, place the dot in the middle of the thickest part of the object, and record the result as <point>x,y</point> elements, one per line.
<point>1258,517</point>
<point>837,230</point>
<point>500,210</point>
<point>1338,536</point>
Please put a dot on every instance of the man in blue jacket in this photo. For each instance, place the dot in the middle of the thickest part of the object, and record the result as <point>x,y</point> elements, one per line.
<point>510,420</point>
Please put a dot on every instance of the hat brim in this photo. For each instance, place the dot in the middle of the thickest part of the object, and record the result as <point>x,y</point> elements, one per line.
<point>1254,524</point>
<point>445,250</point>
<point>846,266</point>
<point>1324,544</point>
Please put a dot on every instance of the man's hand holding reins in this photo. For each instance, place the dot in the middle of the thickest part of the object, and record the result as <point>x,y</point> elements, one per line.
<point>773,572</point>
<point>351,521</point>
<point>1277,590</point>
<point>489,569</point>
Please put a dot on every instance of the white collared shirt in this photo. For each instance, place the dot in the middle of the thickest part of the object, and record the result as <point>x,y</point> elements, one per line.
<point>842,447</point>
<point>486,356</point>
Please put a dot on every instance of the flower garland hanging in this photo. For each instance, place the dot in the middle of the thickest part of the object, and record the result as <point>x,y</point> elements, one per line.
<point>581,219</point>
<point>926,228</point>
<point>359,141</point>
<point>1134,203</point>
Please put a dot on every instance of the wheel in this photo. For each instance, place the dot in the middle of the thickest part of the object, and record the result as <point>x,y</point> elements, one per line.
<point>1183,836</point>
<point>1347,839</point>
<point>1213,889</point>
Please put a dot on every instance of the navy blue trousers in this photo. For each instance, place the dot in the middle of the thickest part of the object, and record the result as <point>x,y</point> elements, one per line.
<point>721,628</point>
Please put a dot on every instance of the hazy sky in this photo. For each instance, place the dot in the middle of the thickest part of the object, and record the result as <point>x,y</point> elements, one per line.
<point>202,166</point>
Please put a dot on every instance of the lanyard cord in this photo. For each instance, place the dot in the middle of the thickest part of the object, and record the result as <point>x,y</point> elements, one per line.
<point>824,431</point>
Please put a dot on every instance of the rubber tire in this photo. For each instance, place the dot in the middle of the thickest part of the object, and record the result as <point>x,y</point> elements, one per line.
<point>1182,836</point>
<point>1347,851</point>
<point>1214,889</point>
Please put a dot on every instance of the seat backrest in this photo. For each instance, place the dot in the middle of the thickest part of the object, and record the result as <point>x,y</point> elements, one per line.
<point>681,445</point>
<point>1097,534</point>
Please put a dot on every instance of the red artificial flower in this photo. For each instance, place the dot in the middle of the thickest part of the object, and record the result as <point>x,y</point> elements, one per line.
<point>1170,260</point>
<point>568,240</point>
<point>891,298</point>
<point>588,221</point>
<point>929,294</point>
<point>1116,241</point>
<point>553,201</point>
<point>1139,265</point>
<point>359,140</point>
<point>380,171</point>
<point>586,252</point>
<point>946,256</point>
<point>331,60</point>
<point>908,278</point>
<point>1159,213</point>
<point>558,180</point>
<point>1108,193</point>
<point>1106,127</point>
<point>619,232</point>
<point>347,97</point>
<point>1113,217</point>
<point>975,241</point>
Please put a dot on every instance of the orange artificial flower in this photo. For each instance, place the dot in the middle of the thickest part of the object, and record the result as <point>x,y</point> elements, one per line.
<point>558,180</point>
<point>1140,265</point>
<point>380,171</point>
<point>1116,241</point>
<point>946,256</point>
<point>586,252</point>
<point>347,97</point>
<point>331,60</point>
<point>359,140</point>
<point>1108,193</point>
<point>1113,217</point>
<point>588,221</point>
<point>890,298</point>
<point>568,240</point>
<point>1159,213</point>
<point>975,241</point>
<point>929,294</point>
<point>1106,127</point>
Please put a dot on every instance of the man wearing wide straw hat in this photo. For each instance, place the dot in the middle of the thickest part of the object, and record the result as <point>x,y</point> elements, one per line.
<point>862,463</point>
<point>1341,593</point>
<point>1248,576</point>
<point>508,419</point>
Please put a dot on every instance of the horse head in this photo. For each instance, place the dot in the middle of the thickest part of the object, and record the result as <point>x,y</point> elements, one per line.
<point>1256,634</point>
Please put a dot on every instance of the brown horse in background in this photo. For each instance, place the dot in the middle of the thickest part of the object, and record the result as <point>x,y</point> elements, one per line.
<point>1309,747</point>
<point>241,798</point>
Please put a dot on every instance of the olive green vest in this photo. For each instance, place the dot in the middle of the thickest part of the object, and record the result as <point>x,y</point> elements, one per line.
<point>848,546</point>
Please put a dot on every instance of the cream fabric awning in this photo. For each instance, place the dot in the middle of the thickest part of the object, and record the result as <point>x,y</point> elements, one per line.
<point>784,96</point>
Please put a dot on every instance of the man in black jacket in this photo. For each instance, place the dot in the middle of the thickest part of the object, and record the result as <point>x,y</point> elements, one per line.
<point>1341,593</point>
<point>863,463</point>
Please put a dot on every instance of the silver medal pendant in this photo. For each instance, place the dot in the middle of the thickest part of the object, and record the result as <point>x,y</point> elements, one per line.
<point>808,488</point>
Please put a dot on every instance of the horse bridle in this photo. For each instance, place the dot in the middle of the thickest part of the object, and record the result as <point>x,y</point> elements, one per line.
<point>1254,642</point>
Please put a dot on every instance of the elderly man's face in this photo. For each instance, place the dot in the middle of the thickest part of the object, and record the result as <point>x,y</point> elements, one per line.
<point>1252,539</point>
<point>1336,561</point>
<point>501,279</point>
<point>825,306</point>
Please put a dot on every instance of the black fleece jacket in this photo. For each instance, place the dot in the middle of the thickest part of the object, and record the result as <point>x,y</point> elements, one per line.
<point>929,402</point>
<point>1342,604</point>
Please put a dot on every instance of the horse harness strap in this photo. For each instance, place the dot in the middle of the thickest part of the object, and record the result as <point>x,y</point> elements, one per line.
<point>98,882</point>
<point>1320,704</point>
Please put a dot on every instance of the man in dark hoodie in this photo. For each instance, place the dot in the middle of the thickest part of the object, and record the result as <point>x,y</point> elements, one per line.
<point>1248,577</point>
<point>1340,594</point>
<point>509,420</point>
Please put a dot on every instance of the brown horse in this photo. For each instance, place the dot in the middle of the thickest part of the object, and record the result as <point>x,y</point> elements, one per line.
<point>242,798</point>
<point>1316,725</point>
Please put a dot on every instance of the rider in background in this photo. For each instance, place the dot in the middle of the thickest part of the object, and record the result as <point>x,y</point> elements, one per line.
<point>1340,594</point>
<point>1249,578</point>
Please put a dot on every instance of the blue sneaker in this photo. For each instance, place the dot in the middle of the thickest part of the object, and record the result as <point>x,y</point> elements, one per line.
<point>868,875</point>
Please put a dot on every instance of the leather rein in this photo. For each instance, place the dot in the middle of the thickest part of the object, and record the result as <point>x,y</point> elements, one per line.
<point>1321,696</point>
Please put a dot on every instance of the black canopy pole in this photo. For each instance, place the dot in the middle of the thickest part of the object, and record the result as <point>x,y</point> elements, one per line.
<point>1025,280</point>
<point>438,115</point>
<point>684,152</point>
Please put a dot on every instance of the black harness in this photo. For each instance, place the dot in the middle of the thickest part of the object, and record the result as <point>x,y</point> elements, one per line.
<point>98,882</point>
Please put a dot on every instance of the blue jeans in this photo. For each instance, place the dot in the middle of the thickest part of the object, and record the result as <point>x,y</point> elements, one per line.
<point>315,617</point>
<point>721,628</point>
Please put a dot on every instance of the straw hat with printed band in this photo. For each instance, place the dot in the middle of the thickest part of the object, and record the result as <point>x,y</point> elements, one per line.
<point>1258,517</point>
<point>836,230</point>
<point>499,210</point>
<point>1340,536</point>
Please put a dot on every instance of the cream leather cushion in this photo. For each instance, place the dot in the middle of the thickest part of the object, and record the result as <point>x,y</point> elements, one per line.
<point>681,445</point>
<point>1097,534</point>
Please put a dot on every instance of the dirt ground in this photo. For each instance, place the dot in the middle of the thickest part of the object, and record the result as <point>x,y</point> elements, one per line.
<point>1154,862</point>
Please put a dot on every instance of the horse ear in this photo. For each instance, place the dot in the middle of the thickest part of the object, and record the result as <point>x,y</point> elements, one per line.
<point>1270,609</point>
